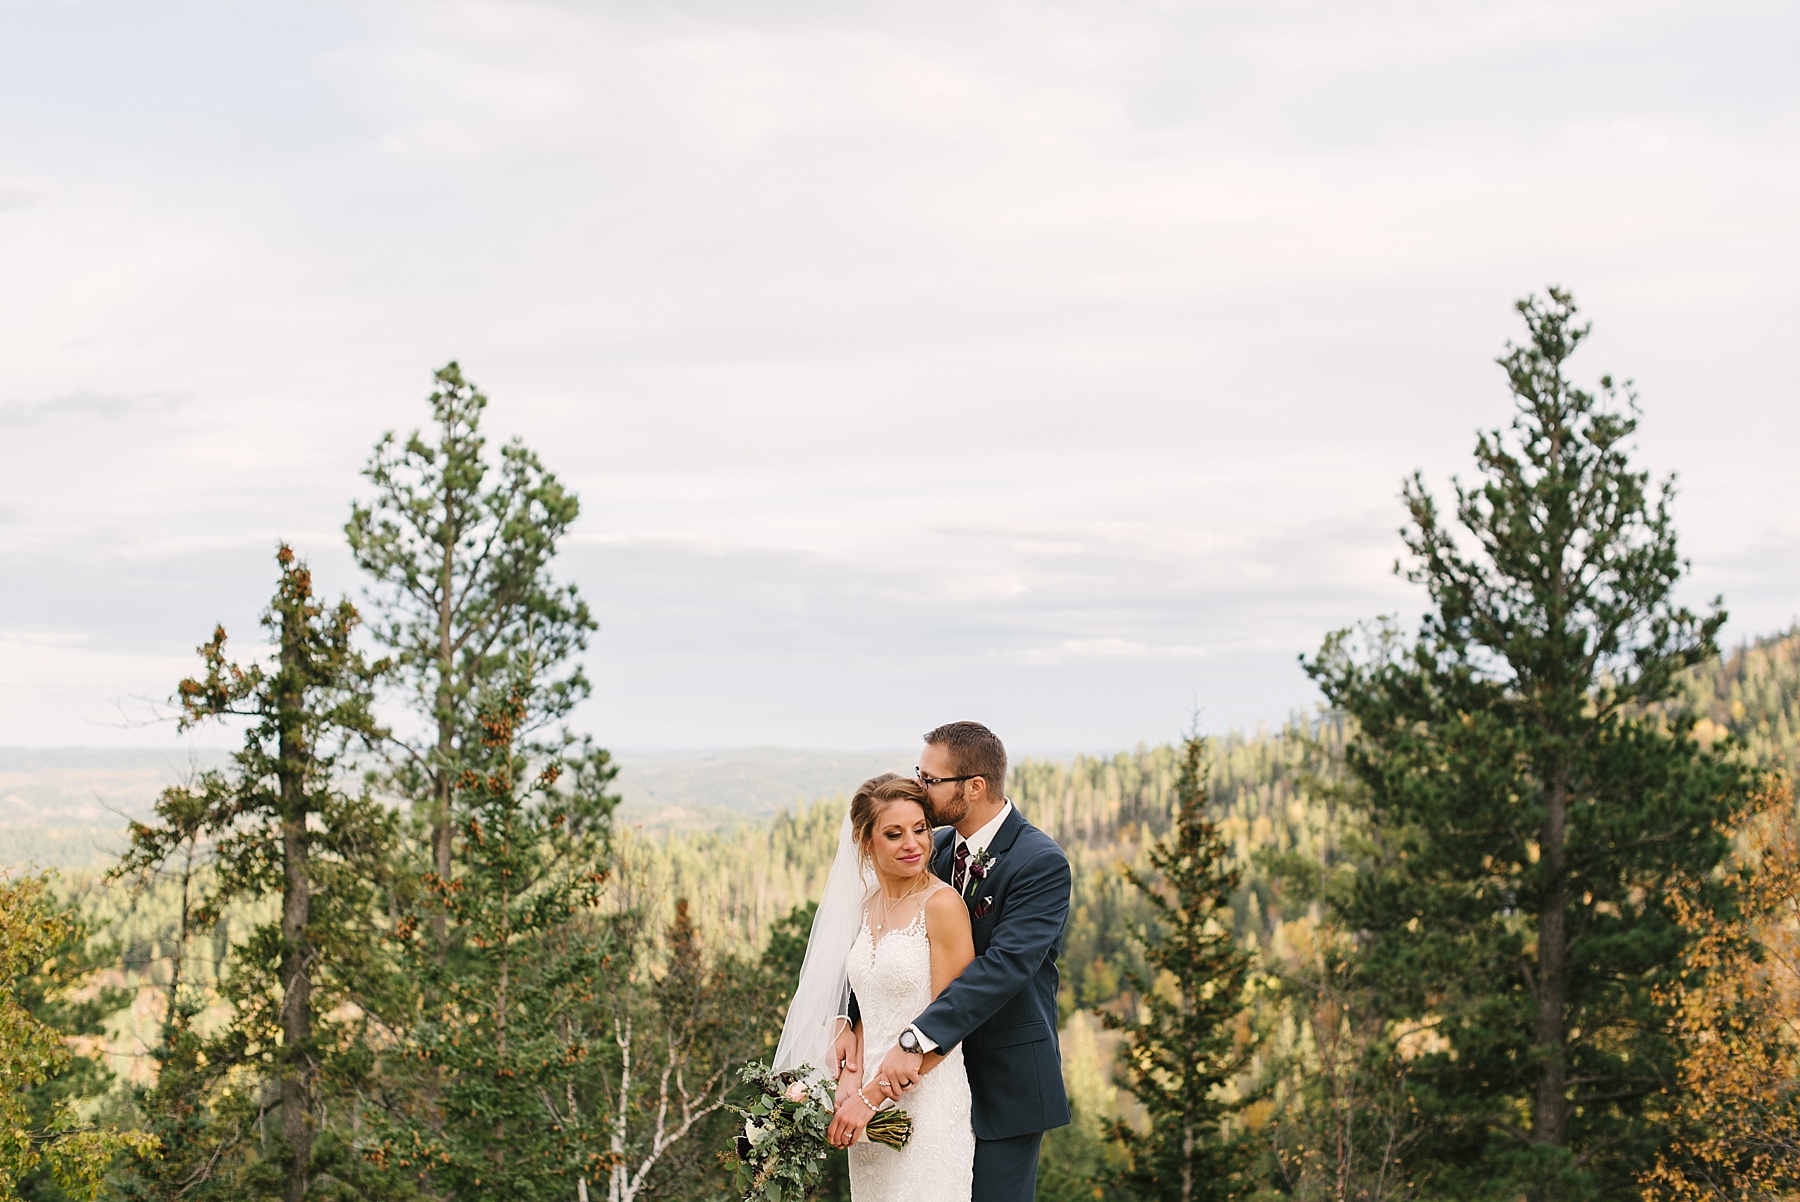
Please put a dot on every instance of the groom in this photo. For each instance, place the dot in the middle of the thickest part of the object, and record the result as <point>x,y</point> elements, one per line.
<point>1002,1009</point>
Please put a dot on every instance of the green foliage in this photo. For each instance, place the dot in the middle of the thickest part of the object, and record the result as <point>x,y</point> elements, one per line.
<point>1079,1163</point>
<point>1188,1041</point>
<point>1528,808</point>
<point>62,992</point>
<point>785,952</point>
<point>506,1018</point>
<point>201,1113</point>
<point>464,565</point>
<point>781,1147</point>
<point>44,1143</point>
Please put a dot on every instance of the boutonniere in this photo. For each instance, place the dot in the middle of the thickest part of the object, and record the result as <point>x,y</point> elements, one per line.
<point>979,863</point>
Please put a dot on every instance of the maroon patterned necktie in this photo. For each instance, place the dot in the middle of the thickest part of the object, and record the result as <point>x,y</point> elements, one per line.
<point>959,876</point>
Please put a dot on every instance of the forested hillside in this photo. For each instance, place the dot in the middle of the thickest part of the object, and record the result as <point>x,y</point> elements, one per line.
<point>1754,695</point>
<point>1104,811</point>
<point>1270,789</point>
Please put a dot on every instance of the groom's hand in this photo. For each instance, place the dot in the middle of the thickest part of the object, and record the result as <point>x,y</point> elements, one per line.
<point>900,1070</point>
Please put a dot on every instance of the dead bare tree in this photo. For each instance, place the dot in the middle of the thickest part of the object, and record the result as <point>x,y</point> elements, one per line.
<point>684,1019</point>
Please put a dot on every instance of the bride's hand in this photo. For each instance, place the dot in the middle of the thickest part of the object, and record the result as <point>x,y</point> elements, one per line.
<point>849,1117</point>
<point>846,1049</point>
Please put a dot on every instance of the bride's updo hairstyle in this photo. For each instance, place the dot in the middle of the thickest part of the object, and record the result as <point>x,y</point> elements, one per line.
<point>874,796</point>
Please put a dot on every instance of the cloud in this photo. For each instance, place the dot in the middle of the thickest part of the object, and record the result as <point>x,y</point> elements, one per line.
<point>105,406</point>
<point>1107,648</point>
<point>1096,640</point>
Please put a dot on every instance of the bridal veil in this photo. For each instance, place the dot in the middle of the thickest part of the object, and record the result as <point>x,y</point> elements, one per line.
<point>823,992</point>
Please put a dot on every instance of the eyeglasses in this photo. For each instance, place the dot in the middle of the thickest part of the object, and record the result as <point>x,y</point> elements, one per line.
<point>929,781</point>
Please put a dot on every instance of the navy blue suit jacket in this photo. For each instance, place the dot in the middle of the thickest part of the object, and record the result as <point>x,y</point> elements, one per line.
<point>1002,1009</point>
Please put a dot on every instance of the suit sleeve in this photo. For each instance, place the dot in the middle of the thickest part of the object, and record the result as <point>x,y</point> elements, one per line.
<point>1028,931</point>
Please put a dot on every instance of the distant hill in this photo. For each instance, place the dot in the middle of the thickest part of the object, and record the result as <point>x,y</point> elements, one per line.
<point>67,806</point>
<point>705,790</point>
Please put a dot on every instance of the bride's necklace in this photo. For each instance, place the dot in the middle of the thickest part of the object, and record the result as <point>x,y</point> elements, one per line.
<point>888,904</point>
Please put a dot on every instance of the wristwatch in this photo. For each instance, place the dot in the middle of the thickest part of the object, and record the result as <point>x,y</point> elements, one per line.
<point>909,1042</point>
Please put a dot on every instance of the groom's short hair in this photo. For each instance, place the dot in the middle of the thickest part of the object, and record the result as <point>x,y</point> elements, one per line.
<point>974,751</point>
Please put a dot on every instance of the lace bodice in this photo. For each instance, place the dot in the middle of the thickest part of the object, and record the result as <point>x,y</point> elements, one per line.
<point>892,979</point>
<point>891,974</point>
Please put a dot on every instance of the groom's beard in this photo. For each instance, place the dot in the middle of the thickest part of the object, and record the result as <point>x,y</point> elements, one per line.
<point>955,809</point>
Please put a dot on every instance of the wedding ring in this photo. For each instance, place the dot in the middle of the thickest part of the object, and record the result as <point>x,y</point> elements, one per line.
<point>883,1084</point>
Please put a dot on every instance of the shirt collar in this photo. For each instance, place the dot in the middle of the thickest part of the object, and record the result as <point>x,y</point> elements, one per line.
<point>978,842</point>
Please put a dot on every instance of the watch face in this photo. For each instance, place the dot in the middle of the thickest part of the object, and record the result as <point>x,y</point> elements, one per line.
<point>908,1041</point>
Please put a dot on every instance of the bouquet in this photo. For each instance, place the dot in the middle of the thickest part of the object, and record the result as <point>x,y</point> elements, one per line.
<point>781,1154</point>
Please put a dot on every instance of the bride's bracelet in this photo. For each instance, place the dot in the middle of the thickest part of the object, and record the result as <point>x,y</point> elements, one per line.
<point>865,1100</point>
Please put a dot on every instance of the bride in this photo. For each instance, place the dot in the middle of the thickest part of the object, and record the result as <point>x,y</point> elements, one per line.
<point>894,934</point>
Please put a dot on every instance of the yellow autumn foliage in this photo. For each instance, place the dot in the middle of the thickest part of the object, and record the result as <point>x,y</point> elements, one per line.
<point>1737,1010</point>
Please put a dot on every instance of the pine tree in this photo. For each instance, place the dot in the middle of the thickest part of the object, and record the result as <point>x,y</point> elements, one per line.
<point>282,827</point>
<point>460,553</point>
<point>1531,801</point>
<point>1189,1039</point>
<point>510,1016</point>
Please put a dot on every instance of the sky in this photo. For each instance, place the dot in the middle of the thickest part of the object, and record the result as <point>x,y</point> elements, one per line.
<point>1051,364</point>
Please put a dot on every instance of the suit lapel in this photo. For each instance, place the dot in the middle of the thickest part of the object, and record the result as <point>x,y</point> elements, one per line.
<point>1008,834</point>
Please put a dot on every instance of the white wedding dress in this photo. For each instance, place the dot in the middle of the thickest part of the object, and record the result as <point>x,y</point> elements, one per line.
<point>891,974</point>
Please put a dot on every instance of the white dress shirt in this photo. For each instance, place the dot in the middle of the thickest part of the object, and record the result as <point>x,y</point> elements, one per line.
<point>978,842</point>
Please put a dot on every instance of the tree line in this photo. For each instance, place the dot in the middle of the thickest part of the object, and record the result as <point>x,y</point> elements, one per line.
<point>1511,918</point>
